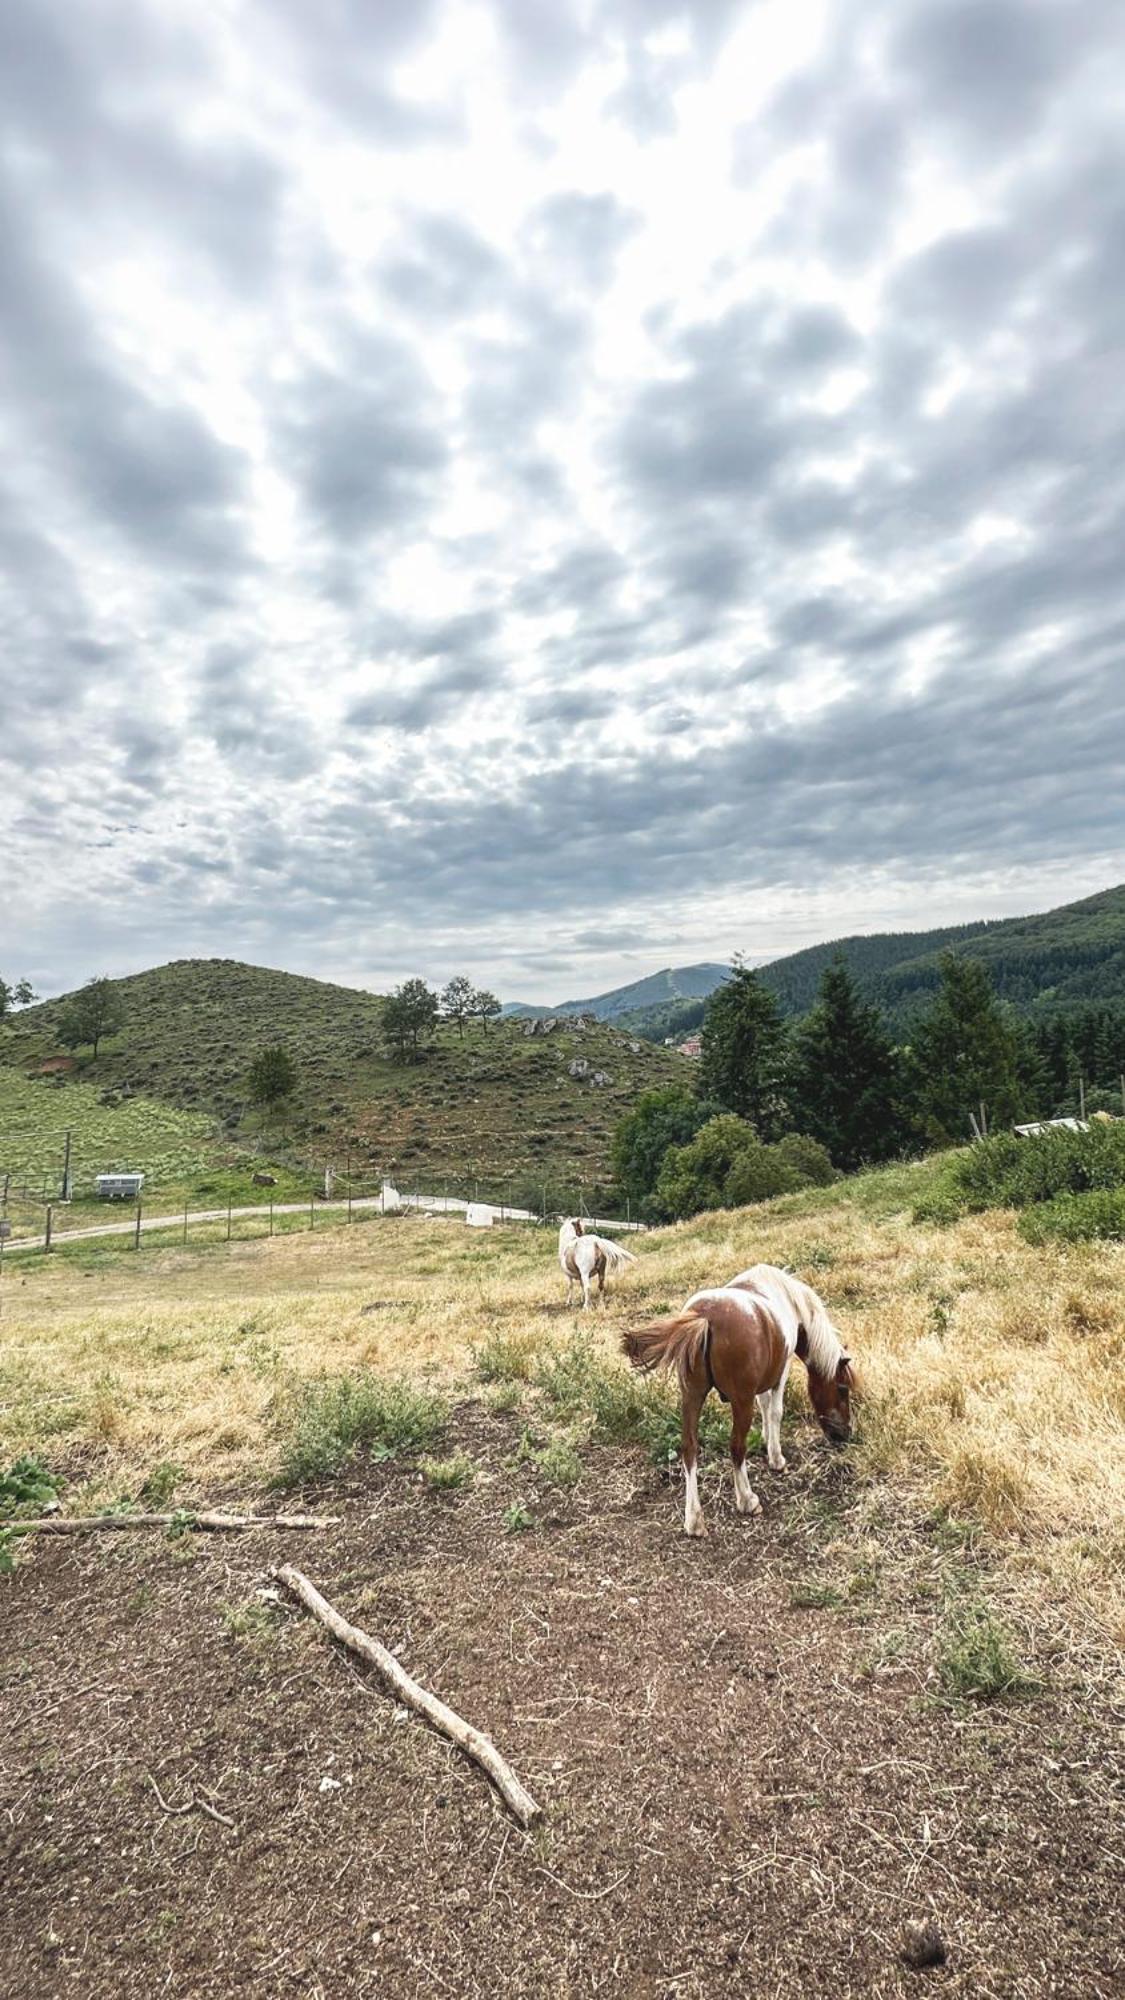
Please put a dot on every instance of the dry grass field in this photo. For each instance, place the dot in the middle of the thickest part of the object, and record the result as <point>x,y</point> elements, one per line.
<point>993,1373</point>
<point>894,1696</point>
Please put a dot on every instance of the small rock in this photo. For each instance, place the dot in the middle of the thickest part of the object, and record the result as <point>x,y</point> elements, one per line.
<point>922,1943</point>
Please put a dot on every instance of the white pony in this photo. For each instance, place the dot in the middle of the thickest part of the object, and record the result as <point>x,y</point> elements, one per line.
<point>584,1257</point>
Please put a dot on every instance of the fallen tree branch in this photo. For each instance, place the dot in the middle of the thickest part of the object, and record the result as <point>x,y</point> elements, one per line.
<point>187,1519</point>
<point>519,1802</point>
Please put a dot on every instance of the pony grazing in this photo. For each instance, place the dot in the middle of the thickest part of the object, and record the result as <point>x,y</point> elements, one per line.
<point>739,1339</point>
<point>584,1257</point>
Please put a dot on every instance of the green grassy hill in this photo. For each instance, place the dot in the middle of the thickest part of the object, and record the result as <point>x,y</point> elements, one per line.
<point>501,1109</point>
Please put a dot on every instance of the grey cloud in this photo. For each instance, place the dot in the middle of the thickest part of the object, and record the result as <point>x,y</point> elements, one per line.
<point>579,236</point>
<point>363,439</point>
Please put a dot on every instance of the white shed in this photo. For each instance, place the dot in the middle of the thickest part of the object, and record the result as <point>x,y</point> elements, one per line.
<point>478,1215</point>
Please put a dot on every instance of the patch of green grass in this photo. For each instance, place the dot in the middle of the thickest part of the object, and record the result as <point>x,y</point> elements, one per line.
<point>161,1483</point>
<point>557,1460</point>
<point>26,1488</point>
<point>445,1475</point>
<point>812,1596</point>
<point>517,1519</point>
<point>252,1624</point>
<point>506,1357</point>
<point>977,1660</point>
<point>332,1417</point>
<point>617,1406</point>
<point>503,1397</point>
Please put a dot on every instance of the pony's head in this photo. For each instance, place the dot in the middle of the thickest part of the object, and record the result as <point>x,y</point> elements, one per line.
<point>831,1397</point>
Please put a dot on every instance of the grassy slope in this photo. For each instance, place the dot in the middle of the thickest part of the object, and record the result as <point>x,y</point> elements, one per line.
<point>994,1373</point>
<point>500,1105</point>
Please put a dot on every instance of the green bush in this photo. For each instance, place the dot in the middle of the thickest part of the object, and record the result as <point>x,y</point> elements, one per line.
<point>810,1161</point>
<point>618,1406</point>
<point>758,1174</point>
<point>331,1418</point>
<point>1007,1172</point>
<point>1076,1218</point>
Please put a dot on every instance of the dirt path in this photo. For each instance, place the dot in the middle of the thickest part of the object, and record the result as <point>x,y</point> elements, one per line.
<point>749,1782</point>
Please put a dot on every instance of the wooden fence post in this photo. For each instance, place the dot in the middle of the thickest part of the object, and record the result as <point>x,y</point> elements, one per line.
<point>47,1235</point>
<point>229,1200</point>
<point>137,1230</point>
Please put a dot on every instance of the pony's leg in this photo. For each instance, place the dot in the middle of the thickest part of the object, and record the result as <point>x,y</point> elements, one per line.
<point>692,1399</point>
<point>585,1291</point>
<point>745,1499</point>
<point>772,1404</point>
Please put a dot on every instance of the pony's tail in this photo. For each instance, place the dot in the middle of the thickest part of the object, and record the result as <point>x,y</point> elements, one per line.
<point>615,1256</point>
<point>666,1343</point>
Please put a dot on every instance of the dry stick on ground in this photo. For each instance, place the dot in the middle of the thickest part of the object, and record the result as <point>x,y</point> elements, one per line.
<point>418,1698</point>
<point>85,1524</point>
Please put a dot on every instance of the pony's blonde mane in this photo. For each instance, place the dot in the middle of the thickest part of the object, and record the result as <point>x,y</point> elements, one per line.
<point>826,1349</point>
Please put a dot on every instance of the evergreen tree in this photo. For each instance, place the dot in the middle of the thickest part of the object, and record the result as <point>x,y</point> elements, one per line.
<point>846,1087</point>
<point>964,1054</point>
<point>743,1056</point>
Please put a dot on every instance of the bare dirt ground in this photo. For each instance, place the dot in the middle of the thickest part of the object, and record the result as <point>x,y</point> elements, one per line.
<point>749,1775</point>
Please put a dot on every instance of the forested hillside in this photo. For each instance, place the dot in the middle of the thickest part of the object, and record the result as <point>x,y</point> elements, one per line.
<point>1040,963</point>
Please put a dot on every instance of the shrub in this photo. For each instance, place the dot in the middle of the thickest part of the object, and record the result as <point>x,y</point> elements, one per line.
<point>1007,1172</point>
<point>758,1174</point>
<point>977,1661</point>
<point>506,1357</point>
<point>620,1407</point>
<point>446,1474</point>
<point>332,1417</point>
<point>1076,1218</point>
<point>811,1161</point>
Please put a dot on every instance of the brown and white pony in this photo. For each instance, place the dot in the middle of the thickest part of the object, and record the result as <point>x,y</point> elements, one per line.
<point>739,1339</point>
<point>585,1256</point>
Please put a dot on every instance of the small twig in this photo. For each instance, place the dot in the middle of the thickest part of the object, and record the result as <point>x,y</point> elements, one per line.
<point>193,1804</point>
<point>584,1895</point>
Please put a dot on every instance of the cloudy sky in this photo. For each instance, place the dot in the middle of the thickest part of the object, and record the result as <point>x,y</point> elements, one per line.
<point>554,488</point>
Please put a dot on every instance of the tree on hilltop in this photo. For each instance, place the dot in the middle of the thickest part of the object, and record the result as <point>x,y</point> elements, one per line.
<point>457,1001</point>
<point>485,1006</point>
<point>19,995</point>
<point>93,1012</point>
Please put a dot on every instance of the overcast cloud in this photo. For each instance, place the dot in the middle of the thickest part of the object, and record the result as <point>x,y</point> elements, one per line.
<point>554,491</point>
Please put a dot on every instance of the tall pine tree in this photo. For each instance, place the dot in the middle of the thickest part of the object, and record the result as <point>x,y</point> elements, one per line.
<point>846,1087</point>
<point>964,1054</point>
<point>743,1056</point>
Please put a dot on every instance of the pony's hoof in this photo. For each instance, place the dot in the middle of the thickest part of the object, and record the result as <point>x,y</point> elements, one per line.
<point>697,1531</point>
<point>779,1465</point>
<point>753,1506</point>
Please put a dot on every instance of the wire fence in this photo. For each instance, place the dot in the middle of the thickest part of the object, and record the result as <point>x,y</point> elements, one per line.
<point>34,1215</point>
